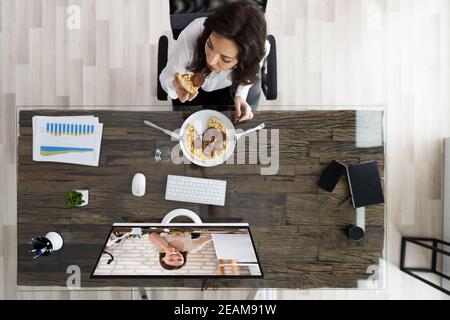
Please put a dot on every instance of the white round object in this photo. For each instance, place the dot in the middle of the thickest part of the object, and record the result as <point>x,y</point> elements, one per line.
<point>181,213</point>
<point>200,121</point>
<point>55,239</point>
<point>138,185</point>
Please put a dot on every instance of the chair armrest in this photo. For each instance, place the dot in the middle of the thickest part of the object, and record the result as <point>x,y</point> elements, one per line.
<point>269,81</point>
<point>163,49</point>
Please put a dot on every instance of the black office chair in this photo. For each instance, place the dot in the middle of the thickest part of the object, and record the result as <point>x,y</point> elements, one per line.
<point>183,12</point>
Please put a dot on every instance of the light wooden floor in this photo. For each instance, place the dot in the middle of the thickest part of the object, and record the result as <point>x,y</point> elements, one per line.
<point>331,52</point>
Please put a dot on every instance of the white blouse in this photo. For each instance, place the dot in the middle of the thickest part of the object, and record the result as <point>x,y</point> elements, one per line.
<point>182,55</point>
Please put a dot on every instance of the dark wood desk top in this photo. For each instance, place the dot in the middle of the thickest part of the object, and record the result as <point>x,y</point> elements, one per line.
<point>297,228</point>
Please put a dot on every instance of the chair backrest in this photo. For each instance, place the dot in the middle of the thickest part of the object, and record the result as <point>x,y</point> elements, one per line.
<point>183,12</point>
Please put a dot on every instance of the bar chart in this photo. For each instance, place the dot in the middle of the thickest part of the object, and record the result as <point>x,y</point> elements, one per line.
<point>69,129</point>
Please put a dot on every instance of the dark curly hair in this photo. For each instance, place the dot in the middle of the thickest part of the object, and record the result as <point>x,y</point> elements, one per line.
<point>244,23</point>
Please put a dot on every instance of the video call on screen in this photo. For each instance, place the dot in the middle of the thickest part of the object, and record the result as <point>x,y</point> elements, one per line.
<point>178,251</point>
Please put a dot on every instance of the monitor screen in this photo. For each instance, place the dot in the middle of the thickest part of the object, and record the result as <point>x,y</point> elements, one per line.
<point>178,250</point>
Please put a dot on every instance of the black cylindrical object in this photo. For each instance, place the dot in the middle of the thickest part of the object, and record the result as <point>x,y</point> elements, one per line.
<point>355,233</point>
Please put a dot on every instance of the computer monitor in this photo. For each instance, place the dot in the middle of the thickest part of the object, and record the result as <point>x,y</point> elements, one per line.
<point>178,250</point>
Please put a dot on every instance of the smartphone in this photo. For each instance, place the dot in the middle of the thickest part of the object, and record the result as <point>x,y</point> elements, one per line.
<point>331,175</point>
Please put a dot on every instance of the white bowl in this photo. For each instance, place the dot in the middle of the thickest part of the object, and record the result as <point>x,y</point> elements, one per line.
<point>200,121</point>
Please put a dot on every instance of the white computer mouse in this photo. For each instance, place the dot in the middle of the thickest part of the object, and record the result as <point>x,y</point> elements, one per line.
<point>138,185</point>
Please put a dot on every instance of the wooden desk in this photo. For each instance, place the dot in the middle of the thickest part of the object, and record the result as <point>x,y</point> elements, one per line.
<point>297,228</point>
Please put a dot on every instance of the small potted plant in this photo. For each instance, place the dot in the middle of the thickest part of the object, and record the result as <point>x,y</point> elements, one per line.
<point>77,198</point>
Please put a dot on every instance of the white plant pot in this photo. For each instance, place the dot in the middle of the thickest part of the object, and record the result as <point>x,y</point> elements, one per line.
<point>85,197</point>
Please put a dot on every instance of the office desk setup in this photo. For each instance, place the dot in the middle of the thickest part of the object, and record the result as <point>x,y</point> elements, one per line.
<point>298,229</point>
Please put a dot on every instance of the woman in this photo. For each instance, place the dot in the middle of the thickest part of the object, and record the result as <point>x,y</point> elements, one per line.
<point>229,48</point>
<point>174,247</point>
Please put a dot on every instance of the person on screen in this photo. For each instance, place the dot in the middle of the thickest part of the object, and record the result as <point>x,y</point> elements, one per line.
<point>173,248</point>
<point>228,47</point>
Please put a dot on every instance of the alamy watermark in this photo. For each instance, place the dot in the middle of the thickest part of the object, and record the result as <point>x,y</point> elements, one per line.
<point>73,21</point>
<point>253,148</point>
<point>74,280</point>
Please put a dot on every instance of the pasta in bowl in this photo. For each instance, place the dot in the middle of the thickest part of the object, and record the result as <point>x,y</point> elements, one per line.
<point>207,138</point>
<point>212,144</point>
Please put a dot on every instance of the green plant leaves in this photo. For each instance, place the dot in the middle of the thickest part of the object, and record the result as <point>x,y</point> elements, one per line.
<point>73,198</point>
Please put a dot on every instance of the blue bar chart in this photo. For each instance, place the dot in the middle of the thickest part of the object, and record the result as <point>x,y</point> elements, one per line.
<point>69,129</point>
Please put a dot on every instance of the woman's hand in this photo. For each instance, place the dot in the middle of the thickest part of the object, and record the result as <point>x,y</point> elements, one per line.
<point>243,110</point>
<point>182,94</point>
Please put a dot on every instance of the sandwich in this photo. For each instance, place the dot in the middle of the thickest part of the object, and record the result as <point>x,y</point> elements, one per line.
<point>191,82</point>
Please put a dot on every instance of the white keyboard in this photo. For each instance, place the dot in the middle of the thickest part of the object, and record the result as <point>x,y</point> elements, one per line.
<point>196,190</point>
